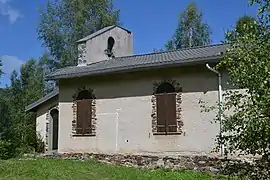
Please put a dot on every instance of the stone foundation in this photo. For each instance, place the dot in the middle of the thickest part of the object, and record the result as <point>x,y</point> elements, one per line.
<point>240,166</point>
<point>200,163</point>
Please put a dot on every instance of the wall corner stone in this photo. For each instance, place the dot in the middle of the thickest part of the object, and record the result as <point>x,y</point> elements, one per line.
<point>94,117</point>
<point>154,114</point>
<point>82,53</point>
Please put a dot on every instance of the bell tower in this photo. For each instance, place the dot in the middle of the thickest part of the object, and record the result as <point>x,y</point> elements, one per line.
<point>107,43</point>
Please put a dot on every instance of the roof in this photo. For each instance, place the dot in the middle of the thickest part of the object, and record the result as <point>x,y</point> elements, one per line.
<point>182,57</point>
<point>101,31</point>
<point>34,105</point>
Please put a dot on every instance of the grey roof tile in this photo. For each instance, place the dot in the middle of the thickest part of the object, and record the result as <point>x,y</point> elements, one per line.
<point>37,103</point>
<point>188,56</point>
<point>103,30</point>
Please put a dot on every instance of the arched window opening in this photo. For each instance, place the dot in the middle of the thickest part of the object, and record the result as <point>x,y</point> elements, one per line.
<point>110,44</point>
<point>54,114</point>
<point>165,88</point>
<point>166,109</point>
<point>55,121</point>
<point>84,94</point>
<point>84,113</point>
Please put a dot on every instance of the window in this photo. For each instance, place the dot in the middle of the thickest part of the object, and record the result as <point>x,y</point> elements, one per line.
<point>84,113</point>
<point>109,50</point>
<point>166,108</point>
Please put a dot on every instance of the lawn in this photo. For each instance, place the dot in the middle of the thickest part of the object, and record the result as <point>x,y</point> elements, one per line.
<point>69,169</point>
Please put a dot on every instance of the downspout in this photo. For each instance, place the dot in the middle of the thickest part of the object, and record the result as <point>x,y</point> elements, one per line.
<point>117,129</point>
<point>219,103</point>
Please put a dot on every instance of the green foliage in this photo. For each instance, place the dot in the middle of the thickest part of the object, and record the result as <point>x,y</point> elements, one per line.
<point>64,22</point>
<point>240,28</point>
<point>246,119</point>
<point>191,31</point>
<point>248,63</point>
<point>6,136</point>
<point>83,170</point>
<point>1,64</point>
<point>25,89</point>
<point>263,11</point>
<point>5,122</point>
<point>40,146</point>
<point>17,127</point>
<point>7,149</point>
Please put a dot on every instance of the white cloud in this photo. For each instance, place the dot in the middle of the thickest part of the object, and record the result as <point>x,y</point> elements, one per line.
<point>7,10</point>
<point>4,1</point>
<point>10,63</point>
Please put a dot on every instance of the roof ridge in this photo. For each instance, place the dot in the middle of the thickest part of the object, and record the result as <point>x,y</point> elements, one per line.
<point>101,31</point>
<point>153,53</point>
<point>209,52</point>
<point>188,48</point>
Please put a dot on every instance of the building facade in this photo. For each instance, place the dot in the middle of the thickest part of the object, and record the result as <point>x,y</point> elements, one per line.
<point>141,104</point>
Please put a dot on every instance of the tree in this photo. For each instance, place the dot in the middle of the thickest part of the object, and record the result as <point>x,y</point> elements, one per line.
<point>63,22</point>
<point>247,61</point>
<point>1,64</point>
<point>191,31</point>
<point>25,89</point>
<point>17,127</point>
<point>5,122</point>
<point>48,65</point>
<point>155,50</point>
<point>240,28</point>
<point>7,149</point>
<point>248,64</point>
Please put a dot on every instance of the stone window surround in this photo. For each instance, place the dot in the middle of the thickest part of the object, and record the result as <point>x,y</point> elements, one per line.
<point>74,108</point>
<point>82,53</point>
<point>179,119</point>
<point>48,125</point>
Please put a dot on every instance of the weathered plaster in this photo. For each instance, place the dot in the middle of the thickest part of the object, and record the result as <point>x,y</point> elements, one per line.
<point>95,47</point>
<point>123,105</point>
<point>43,120</point>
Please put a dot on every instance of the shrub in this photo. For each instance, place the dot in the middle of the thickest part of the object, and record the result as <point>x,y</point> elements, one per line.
<point>40,144</point>
<point>7,150</point>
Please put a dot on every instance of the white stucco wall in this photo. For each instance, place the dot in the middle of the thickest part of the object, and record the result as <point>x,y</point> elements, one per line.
<point>41,123</point>
<point>41,119</point>
<point>124,114</point>
<point>123,45</point>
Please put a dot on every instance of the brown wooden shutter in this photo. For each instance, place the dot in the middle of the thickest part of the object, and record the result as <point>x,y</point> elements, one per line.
<point>171,124</point>
<point>84,113</point>
<point>161,114</point>
<point>88,122</point>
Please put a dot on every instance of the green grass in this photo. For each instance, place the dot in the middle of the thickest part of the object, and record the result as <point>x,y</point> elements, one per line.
<point>68,169</point>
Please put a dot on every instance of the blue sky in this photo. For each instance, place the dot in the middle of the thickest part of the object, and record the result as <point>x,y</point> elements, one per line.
<point>153,22</point>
